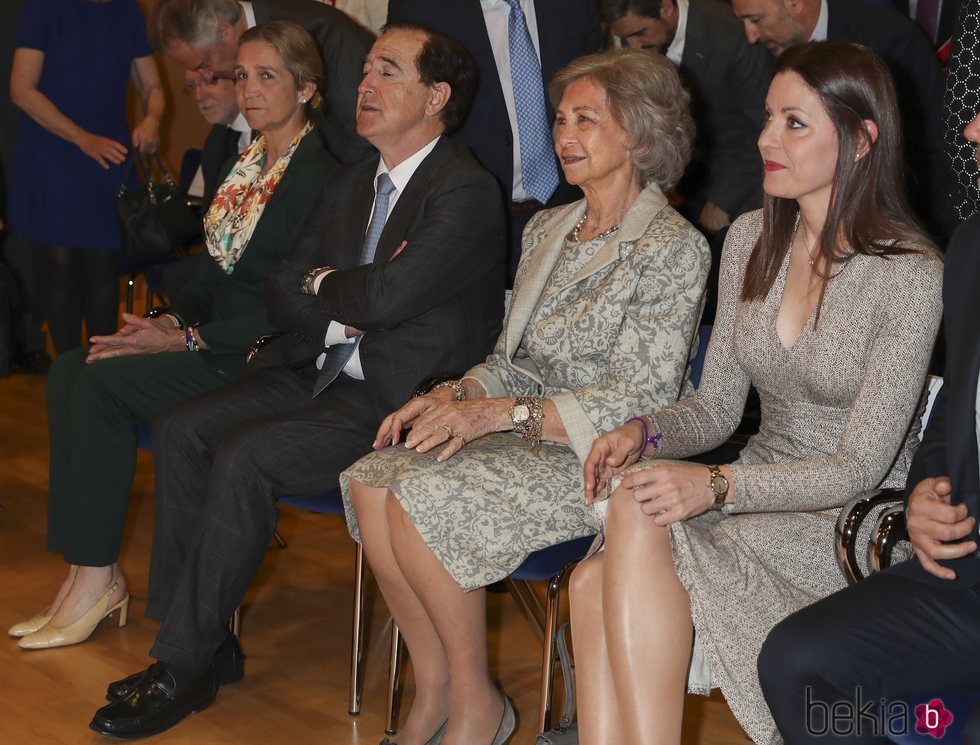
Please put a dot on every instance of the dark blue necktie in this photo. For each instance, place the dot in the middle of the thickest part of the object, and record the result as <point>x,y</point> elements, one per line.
<point>338,355</point>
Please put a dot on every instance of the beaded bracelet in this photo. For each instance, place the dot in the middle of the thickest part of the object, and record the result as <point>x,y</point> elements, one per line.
<point>456,385</point>
<point>189,340</point>
<point>648,439</point>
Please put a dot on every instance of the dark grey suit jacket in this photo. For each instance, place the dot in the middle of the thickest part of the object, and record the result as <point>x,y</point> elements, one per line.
<point>728,79</point>
<point>949,445</point>
<point>566,29</point>
<point>344,44</point>
<point>919,81</point>
<point>435,308</point>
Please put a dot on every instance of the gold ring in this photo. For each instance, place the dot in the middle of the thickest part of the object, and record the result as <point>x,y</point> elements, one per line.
<point>462,442</point>
<point>449,431</point>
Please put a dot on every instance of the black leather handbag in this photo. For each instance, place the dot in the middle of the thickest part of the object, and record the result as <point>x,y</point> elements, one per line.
<point>154,218</point>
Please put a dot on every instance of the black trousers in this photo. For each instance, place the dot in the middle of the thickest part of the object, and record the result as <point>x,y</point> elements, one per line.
<point>93,412</point>
<point>81,285</point>
<point>874,647</point>
<point>25,260</point>
<point>220,462</point>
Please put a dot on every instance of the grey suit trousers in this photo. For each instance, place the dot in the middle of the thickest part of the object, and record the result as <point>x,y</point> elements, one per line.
<point>220,462</point>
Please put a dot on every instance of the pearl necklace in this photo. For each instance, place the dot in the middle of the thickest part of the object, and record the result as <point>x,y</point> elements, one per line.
<point>605,234</point>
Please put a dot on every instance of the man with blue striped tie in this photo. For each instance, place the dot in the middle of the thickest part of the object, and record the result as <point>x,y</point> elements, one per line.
<point>397,278</point>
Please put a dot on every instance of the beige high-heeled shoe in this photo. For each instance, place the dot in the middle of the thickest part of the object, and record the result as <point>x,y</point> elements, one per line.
<point>28,627</point>
<point>48,637</point>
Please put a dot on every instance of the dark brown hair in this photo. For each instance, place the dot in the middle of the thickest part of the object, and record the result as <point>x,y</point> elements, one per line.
<point>869,213</point>
<point>443,60</point>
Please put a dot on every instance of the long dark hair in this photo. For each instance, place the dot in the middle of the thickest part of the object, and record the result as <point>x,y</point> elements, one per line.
<point>869,213</point>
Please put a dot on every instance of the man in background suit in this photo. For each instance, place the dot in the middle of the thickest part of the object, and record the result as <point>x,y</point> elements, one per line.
<point>228,137</point>
<point>728,79</point>
<point>922,616</point>
<point>778,24</point>
<point>397,278</point>
<point>560,31</point>
<point>202,36</point>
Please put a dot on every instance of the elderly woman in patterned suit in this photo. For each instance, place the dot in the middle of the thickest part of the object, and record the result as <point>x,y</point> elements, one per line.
<point>829,300</point>
<point>603,321</point>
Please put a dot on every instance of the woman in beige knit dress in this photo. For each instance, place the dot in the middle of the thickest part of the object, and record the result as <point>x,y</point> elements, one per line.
<point>829,301</point>
<point>603,322</point>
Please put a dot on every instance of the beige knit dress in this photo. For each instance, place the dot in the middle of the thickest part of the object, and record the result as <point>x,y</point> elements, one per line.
<point>837,413</point>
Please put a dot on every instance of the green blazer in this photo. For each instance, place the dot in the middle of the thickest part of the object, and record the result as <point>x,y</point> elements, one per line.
<point>230,309</point>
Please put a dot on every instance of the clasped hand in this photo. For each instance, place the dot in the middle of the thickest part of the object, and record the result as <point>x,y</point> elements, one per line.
<point>437,418</point>
<point>138,336</point>
<point>933,522</point>
<point>611,454</point>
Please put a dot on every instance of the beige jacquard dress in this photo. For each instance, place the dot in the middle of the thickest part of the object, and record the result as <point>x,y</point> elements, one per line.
<point>601,328</point>
<point>837,408</point>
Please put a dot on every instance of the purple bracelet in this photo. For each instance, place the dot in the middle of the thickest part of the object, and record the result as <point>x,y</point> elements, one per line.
<point>648,439</point>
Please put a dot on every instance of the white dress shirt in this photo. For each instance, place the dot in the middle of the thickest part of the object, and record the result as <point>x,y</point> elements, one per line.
<point>400,175</point>
<point>496,14</point>
<point>820,30</point>
<point>675,52</point>
<point>196,189</point>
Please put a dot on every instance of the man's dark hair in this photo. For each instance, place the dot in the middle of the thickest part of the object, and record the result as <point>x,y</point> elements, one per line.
<point>611,11</point>
<point>442,60</point>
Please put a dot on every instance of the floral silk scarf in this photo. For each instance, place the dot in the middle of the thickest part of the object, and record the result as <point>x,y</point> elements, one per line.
<point>239,203</point>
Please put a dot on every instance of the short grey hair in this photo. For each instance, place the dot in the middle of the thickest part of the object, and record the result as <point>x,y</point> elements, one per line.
<point>646,97</point>
<point>193,22</point>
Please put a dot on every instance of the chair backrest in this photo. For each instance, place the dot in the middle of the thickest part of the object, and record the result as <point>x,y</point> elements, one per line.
<point>697,364</point>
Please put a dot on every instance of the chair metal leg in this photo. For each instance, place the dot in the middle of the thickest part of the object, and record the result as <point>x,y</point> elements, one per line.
<point>548,651</point>
<point>394,678</point>
<point>130,293</point>
<point>236,622</point>
<point>530,604</point>
<point>280,540</point>
<point>357,636</point>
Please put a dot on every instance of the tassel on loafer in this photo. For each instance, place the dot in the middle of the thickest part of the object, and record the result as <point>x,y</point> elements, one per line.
<point>77,632</point>
<point>28,627</point>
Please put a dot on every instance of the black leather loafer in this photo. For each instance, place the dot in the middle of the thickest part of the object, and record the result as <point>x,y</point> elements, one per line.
<point>229,668</point>
<point>155,704</point>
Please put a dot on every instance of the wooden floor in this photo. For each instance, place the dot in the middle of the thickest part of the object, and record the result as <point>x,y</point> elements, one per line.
<point>296,627</point>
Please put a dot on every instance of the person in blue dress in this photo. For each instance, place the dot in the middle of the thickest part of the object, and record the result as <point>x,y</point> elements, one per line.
<point>72,62</point>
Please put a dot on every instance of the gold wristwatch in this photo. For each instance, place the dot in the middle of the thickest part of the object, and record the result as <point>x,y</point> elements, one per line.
<point>719,487</point>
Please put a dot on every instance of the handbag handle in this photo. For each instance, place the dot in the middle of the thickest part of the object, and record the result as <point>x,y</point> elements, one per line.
<point>132,158</point>
<point>144,169</point>
<point>567,667</point>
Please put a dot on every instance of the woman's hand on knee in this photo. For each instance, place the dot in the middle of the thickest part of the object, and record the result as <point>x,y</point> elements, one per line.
<point>610,454</point>
<point>671,492</point>
<point>453,424</point>
<point>138,336</point>
<point>390,431</point>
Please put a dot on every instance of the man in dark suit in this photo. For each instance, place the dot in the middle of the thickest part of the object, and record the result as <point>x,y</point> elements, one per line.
<point>202,35</point>
<point>912,630</point>
<point>778,24</point>
<point>400,272</point>
<point>560,31</point>
<point>728,79</point>
<point>229,134</point>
